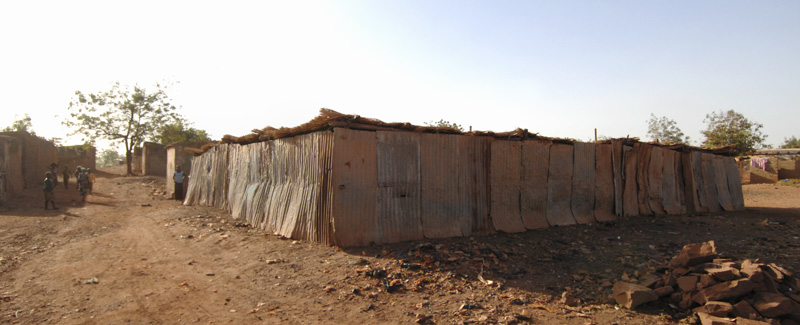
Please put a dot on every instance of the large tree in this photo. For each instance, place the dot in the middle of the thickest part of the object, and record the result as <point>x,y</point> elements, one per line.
<point>121,114</point>
<point>732,128</point>
<point>663,129</point>
<point>23,124</point>
<point>179,131</point>
<point>790,143</point>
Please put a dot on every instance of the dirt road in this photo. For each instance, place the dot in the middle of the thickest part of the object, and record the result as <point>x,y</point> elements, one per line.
<point>129,255</point>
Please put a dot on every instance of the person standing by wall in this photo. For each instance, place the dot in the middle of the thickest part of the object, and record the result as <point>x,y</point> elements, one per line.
<point>178,177</point>
<point>49,186</point>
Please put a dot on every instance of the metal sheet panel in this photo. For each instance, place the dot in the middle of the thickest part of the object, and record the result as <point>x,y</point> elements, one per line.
<point>680,182</point>
<point>324,232</point>
<point>690,189</point>
<point>630,183</point>
<point>618,173</point>
<point>734,183</point>
<point>533,195</point>
<point>709,182</point>
<point>473,184</point>
<point>237,180</point>
<point>505,178</point>
<point>355,181</point>
<point>583,182</point>
<point>559,185</point>
<point>604,199</point>
<point>700,182</point>
<point>398,186</point>
<point>220,177</point>
<point>644,152</point>
<point>440,205</point>
<point>723,193</point>
<point>669,183</point>
<point>655,180</point>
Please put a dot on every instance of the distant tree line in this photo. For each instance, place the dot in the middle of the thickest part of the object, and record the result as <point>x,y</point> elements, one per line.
<point>723,128</point>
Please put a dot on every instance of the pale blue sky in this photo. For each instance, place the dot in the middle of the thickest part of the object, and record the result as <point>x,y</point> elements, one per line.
<point>559,68</point>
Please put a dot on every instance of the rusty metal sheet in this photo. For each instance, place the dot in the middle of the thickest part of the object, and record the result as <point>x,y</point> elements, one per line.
<point>709,182</point>
<point>723,193</point>
<point>700,182</point>
<point>655,180</point>
<point>583,182</point>
<point>398,186</point>
<point>734,183</point>
<point>617,171</point>
<point>506,181</point>
<point>324,232</point>
<point>642,177</point>
<point>533,195</point>
<point>559,185</point>
<point>680,182</point>
<point>473,178</point>
<point>669,183</point>
<point>604,199</point>
<point>355,180</point>
<point>440,205</point>
<point>631,192</point>
<point>689,189</point>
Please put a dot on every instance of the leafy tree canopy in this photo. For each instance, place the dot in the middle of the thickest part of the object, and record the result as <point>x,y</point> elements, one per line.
<point>108,157</point>
<point>21,124</point>
<point>663,129</point>
<point>121,114</point>
<point>789,143</point>
<point>732,128</point>
<point>444,123</point>
<point>179,131</point>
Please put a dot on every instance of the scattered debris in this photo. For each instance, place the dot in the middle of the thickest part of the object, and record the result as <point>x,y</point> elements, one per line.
<point>719,290</point>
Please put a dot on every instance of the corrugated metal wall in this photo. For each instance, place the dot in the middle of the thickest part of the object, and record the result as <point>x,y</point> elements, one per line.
<point>280,186</point>
<point>350,188</point>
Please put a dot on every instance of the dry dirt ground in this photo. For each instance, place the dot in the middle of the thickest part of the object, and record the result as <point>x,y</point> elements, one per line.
<point>129,255</point>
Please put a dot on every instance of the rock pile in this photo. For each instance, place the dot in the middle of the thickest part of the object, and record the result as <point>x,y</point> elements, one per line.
<point>718,290</point>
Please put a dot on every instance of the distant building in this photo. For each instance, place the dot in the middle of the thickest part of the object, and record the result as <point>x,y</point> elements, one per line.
<point>768,166</point>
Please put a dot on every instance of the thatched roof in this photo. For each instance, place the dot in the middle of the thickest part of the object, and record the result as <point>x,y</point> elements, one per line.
<point>329,118</point>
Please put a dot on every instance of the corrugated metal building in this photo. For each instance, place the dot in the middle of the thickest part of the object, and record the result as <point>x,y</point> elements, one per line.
<point>355,185</point>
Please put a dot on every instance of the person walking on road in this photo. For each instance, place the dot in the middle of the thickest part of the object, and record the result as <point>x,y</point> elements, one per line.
<point>49,186</point>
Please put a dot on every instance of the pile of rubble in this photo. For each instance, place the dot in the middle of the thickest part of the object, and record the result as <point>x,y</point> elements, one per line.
<point>718,290</point>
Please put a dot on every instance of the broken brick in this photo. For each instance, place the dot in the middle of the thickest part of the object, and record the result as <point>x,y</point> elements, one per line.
<point>694,254</point>
<point>715,308</point>
<point>724,291</point>
<point>707,319</point>
<point>687,283</point>
<point>630,295</point>
<point>774,305</point>
<point>744,309</point>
